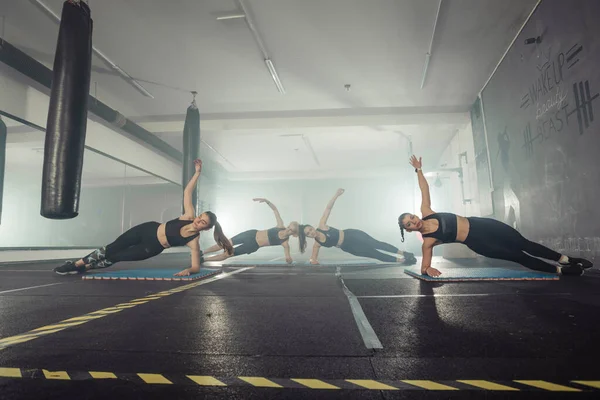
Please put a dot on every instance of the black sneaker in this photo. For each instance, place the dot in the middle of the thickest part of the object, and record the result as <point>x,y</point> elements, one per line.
<point>571,270</point>
<point>69,268</point>
<point>579,262</point>
<point>409,259</point>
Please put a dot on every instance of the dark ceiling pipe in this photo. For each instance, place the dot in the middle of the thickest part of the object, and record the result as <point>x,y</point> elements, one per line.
<point>35,70</point>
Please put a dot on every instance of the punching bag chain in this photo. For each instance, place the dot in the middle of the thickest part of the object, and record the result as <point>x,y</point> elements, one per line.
<point>194,93</point>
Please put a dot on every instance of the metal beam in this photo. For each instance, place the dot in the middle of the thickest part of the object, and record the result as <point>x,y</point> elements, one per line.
<point>396,116</point>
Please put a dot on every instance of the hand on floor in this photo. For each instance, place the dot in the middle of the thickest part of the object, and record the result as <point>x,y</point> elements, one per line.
<point>434,273</point>
<point>289,260</point>
<point>185,272</point>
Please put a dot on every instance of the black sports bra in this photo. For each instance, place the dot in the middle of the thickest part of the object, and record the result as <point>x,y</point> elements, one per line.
<point>273,235</point>
<point>332,237</point>
<point>447,229</point>
<point>173,232</point>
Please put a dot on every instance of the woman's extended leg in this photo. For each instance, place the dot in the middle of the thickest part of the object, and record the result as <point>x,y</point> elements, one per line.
<point>494,239</point>
<point>236,240</point>
<point>247,245</point>
<point>361,244</point>
<point>141,239</point>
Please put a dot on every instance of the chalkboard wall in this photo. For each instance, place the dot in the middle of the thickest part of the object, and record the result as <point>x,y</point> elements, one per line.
<point>541,111</point>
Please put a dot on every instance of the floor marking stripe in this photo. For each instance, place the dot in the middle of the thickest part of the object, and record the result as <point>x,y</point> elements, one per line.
<point>84,318</point>
<point>430,385</point>
<point>366,330</point>
<point>594,384</point>
<point>205,380</point>
<point>26,337</point>
<point>10,373</point>
<point>31,287</point>
<point>260,382</point>
<point>157,379</point>
<point>102,312</point>
<point>487,385</point>
<point>315,384</point>
<point>552,387</point>
<point>102,375</point>
<point>178,378</point>
<point>371,384</point>
<point>61,325</point>
<point>80,320</point>
<point>60,375</point>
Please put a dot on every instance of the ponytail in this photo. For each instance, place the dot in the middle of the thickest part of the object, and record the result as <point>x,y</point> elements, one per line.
<point>219,236</point>
<point>222,240</point>
<point>400,218</point>
<point>302,238</point>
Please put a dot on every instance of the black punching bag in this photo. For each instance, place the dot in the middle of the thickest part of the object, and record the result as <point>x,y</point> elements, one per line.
<point>191,147</point>
<point>67,114</point>
<point>3,133</point>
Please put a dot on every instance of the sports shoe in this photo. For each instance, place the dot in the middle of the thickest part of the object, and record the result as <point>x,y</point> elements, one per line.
<point>579,262</point>
<point>571,270</point>
<point>409,258</point>
<point>69,268</point>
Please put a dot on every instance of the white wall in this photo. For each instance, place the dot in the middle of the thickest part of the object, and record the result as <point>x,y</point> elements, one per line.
<point>451,188</point>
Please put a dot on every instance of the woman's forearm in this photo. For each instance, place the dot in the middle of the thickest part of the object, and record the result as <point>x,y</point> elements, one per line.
<point>332,202</point>
<point>192,183</point>
<point>423,184</point>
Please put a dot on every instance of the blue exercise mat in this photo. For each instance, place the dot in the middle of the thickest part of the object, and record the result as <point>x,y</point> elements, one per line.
<point>481,274</point>
<point>150,275</point>
<point>303,263</point>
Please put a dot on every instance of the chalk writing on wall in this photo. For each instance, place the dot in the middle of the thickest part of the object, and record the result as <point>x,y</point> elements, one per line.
<point>553,110</point>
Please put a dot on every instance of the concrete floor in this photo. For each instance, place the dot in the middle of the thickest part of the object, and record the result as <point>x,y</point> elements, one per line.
<point>295,322</point>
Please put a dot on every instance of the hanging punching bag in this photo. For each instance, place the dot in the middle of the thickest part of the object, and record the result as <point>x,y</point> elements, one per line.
<point>67,113</point>
<point>3,133</point>
<point>191,148</point>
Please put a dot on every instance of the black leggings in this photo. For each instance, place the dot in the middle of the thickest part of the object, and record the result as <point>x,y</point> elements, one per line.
<point>136,244</point>
<point>246,241</point>
<point>495,239</point>
<point>360,244</point>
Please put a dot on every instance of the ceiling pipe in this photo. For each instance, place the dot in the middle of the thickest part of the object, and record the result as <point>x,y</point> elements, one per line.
<point>48,11</point>
<point>428,54</point>
<point>39,73</point>
<point>262,47</point>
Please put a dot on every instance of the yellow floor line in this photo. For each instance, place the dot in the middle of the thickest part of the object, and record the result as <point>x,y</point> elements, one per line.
<point>80,320</point>
<point>315,384</point>
<point>487,385</point>
<point>429,385</point>
<point>155,379</point>
<point>102,375</point>
<point>594,384</point>
<point>552,387</point>
<point>260,382</point>
<point>10,373</point>
<point>370,384</point>
<point>205,380</point>
<point>60,375</point>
